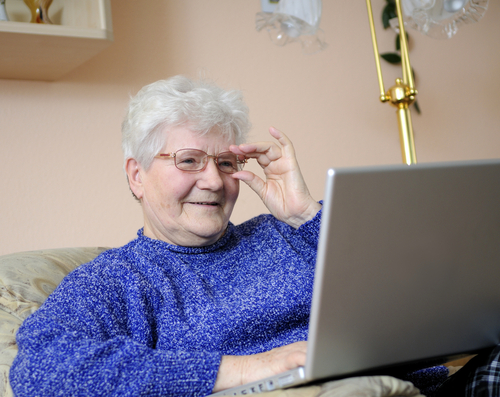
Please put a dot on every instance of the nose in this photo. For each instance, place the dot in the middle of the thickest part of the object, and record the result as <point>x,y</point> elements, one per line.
<point>210,178</point>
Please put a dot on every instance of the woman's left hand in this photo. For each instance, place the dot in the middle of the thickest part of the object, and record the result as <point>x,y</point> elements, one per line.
<point>284,192</point>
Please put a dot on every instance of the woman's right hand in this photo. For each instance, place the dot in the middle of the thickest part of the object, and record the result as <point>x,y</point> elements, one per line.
<point>283,189</point>
<point>239,370</point>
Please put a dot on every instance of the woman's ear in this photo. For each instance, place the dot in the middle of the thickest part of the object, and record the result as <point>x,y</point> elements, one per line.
<point>133,168</point>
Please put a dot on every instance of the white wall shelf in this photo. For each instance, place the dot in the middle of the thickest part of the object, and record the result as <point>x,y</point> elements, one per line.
<point>30,51</point>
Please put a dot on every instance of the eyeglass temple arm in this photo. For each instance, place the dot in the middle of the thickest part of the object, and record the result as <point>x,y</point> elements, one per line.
<point>163,155</point>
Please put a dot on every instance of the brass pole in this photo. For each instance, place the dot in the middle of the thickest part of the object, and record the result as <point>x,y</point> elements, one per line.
<point>406,135</point>
<point>383,98</point>
<point>405,53</point>
<point>401,95</point>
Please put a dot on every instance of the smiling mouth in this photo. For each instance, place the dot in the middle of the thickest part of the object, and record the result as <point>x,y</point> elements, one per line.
<point>205,203</point>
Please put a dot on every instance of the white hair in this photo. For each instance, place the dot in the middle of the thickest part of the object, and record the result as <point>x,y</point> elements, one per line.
<point>175,102</point>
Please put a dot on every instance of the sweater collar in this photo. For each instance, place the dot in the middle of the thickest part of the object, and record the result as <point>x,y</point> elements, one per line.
<point>150,243</point>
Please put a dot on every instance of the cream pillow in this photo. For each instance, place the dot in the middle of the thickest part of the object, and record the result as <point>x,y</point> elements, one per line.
<point>26,279</point>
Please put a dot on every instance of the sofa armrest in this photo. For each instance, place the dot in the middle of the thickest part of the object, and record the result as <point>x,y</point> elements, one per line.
<point>26,280</point>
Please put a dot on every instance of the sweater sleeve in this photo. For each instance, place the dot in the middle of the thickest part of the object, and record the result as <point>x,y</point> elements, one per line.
<point>309,231</point>
<point>78,343</point>
<point>304,240</point>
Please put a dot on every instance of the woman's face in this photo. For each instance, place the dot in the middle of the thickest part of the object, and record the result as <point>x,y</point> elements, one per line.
<point>182,208</point>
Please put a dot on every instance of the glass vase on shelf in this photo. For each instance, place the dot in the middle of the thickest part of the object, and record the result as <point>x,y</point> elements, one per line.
<point>3,11</point>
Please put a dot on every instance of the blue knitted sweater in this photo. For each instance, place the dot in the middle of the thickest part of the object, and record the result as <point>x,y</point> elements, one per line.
<point>155,319</point>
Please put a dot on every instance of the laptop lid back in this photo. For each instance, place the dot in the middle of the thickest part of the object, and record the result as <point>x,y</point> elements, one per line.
<point>408,266</point>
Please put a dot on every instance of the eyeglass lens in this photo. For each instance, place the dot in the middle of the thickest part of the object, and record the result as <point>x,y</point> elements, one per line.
<point>196,160</point>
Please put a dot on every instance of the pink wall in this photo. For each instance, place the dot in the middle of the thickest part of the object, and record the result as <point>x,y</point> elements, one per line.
<point>60,142</point>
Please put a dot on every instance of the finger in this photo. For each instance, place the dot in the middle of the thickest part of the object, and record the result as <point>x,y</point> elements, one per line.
<point>257,150</point>
<point>253,181</point>
<point>271,150</point>
<point>264,159</point>
<point>296,359</point>
<point>263,146</point>
<point>267,152</point>
<point>284,141</point>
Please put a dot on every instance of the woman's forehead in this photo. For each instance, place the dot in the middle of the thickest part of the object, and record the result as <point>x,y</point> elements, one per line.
<point>183,137</point>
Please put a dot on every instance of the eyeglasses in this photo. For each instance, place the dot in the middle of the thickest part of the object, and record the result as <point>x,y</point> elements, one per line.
<point>194,160</point>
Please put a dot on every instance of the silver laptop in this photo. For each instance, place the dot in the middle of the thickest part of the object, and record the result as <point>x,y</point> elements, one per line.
<point>408,270</point>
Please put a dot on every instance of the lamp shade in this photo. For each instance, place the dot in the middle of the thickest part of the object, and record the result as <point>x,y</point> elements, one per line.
<point>441,19</point>
<point>292,21</point>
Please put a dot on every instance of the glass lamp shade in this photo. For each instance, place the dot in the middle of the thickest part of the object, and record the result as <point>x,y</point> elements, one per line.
<point>441,19</point>
<point>294,21</point>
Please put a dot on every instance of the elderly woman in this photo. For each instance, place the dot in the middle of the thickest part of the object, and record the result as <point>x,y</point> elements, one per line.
<point>194,304</point>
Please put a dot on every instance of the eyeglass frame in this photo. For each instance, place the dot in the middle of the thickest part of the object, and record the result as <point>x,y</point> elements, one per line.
<point>213,156</point>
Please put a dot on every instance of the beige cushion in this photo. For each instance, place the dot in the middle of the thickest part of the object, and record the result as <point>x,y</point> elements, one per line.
<point>26,279</point>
